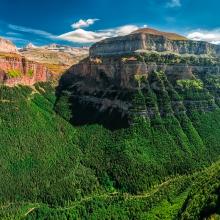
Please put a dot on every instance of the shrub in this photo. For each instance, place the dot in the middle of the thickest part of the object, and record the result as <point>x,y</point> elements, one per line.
<point>189,84</point>
<point>14,73</point>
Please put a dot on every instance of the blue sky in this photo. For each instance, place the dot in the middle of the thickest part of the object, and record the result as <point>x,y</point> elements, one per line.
<point>87,21</point>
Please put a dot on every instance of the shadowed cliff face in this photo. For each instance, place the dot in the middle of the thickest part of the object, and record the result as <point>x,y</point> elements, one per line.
<point>15,69</point>
<point>113,90</point>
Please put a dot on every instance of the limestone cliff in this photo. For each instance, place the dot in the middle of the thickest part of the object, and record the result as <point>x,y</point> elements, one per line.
<point>152,40</point>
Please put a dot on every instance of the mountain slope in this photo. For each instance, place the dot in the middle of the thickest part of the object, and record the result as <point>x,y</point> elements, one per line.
<point>203,200</point>
<point>152,40</point>
<point>58,164</point>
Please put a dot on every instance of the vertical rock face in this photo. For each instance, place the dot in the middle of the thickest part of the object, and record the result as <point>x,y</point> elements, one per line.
<point>15,69</point>
<point>152,40</point>
<point>7,46</point>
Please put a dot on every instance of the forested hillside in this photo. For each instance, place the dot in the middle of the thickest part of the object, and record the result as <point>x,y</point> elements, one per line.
<point>60,171</point>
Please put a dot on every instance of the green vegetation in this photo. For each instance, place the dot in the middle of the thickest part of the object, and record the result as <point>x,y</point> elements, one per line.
<point>203,201</point>
<point>14,73</point>
<point>188,84</point>
<point>140,78</point>
<point>30,72</point>
<point>154,169</point>
<point>172,58</point>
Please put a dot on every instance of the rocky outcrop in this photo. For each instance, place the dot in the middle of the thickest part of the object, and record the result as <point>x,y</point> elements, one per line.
<point>141,41</point>
<point>15,69</point>
<point>7,46</point>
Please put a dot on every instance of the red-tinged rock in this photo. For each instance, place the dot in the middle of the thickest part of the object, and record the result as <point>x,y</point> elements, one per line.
<point>15,69</point>
<point>7,46</point>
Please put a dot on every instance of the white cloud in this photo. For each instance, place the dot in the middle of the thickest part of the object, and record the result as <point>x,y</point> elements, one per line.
<point>32,31</point>
<point>212,36</point>
<point>122,30</point>
<point>79,35</point>
<point>14,34</point>
<point>84,23</point>
<point>83,36</point>
<point>173,4</point>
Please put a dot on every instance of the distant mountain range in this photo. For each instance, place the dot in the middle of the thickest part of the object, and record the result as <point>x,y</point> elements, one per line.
<point>57,48</point>
<point>56,57</point>
<point>45,62</point>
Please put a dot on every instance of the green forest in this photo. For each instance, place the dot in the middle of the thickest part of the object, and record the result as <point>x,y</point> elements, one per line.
<point>157,168</point>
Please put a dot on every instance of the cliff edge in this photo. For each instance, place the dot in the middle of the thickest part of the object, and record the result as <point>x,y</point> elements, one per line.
<point>152,40</point>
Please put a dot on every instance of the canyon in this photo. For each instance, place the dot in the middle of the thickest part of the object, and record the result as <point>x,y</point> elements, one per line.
<point>57,58</point>
<point>145,63</point>
<point>119,136</point>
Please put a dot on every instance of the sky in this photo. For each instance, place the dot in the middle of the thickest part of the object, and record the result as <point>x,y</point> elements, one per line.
<point>84,22</point>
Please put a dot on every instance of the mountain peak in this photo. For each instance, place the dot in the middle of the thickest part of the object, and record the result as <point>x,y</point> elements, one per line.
<point>7,46</point>
<point>30,46</point>
<point>171,36</point>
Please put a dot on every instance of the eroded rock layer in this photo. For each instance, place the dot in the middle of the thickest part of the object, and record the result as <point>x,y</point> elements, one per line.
<point>145,40</point>
<point>15,69</point>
